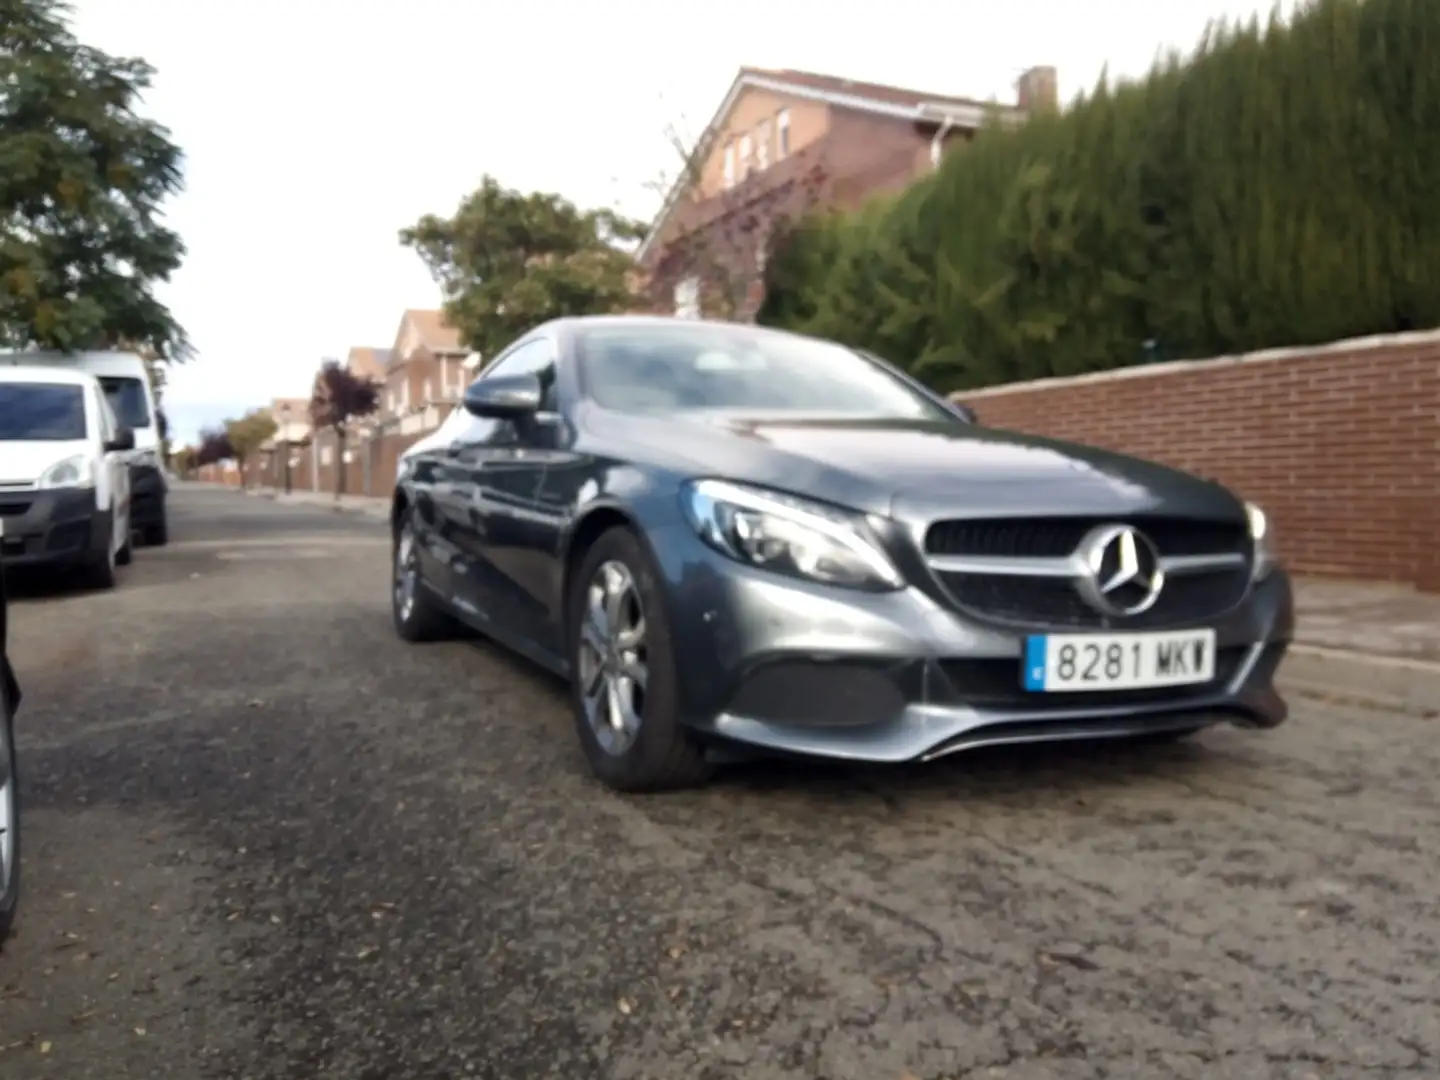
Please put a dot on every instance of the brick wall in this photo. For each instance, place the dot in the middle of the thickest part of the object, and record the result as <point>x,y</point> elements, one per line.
<point>1340,444</point>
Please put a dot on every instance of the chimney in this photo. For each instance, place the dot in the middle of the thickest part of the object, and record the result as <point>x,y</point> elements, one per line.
<point>1037,90</point>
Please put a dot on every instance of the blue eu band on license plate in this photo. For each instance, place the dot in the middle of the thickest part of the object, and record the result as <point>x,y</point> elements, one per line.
<point>1035,663</point>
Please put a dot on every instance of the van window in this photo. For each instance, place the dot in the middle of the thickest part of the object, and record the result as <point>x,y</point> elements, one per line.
<point>127,400</point>
<point>34,412</point>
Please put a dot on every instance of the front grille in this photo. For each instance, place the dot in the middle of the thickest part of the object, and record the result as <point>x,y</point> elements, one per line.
<point>1055,538</point>
<point>14,507</point>
<point>1054,602</point>
<point>997,683</point>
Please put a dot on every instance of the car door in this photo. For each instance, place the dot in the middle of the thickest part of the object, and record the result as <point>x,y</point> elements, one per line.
<point>429,472</point>
<point>477,500</point>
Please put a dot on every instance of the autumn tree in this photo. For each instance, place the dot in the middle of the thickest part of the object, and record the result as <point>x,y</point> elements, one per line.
<point>82,180</point>
<point>341,397</point>
<point>214,447</point>
<point>507,260</point>
<point>247,435</point>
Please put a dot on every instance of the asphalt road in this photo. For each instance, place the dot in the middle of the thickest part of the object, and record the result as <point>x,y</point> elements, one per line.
<point>265,840</point>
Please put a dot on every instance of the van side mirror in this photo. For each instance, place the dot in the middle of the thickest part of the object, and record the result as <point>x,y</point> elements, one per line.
<point>123,441</point>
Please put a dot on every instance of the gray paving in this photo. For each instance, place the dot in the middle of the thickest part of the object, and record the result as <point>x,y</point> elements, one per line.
<point>264,841</point>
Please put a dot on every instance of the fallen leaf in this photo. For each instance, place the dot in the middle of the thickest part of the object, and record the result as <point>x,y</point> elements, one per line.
<point>675,952</point>
<point>624,1006</point>
<point>44,1047</point>
<point>139,1031</point>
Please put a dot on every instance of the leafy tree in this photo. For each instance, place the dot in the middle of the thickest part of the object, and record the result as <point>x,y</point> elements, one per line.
<point>184,460</point>
<point>82,179</point>
<point>247,434</point>
<point>508,260</point>
<point>340,398</point>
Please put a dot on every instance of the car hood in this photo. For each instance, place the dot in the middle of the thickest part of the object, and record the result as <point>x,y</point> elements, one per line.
<point>923,469</point>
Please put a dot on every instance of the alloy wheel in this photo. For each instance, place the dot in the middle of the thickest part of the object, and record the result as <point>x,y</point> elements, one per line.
<point>407,574</point>
<point>612,666</point>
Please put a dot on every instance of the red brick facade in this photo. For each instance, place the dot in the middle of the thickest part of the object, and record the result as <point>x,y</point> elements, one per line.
<point>1340,445</point>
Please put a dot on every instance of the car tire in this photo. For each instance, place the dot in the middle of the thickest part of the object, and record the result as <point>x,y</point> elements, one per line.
<point>10,793</point>
<point>126,554</point>
<point>417,614</point>
<point>653,751</point>
<point>157,535</point>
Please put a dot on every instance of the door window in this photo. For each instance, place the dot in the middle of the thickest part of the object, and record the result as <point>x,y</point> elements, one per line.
<point>104,417</point>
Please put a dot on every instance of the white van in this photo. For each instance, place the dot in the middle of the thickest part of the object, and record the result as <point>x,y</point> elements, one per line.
<point>64,473</point>
<point>127,387</point>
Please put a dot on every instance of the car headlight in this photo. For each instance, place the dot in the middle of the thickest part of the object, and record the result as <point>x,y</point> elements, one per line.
<point>1262,537</point>
<point>789,535</point>
<point>72,472</point>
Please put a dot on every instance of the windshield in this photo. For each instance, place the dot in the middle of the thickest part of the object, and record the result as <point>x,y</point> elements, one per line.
<point>35,412</point>
<point>127,401</point>
<point>676,368</point>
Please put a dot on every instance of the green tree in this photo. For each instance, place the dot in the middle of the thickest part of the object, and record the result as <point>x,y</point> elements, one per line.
<point>82,179</point>
<point>247,434</point>
<point>1227,202</point>
<point>508,260</point>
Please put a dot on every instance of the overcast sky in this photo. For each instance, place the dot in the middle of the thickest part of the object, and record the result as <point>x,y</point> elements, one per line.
<point>315,129</point>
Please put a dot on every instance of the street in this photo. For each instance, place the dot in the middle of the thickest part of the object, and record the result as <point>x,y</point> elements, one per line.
<point>264,839</point>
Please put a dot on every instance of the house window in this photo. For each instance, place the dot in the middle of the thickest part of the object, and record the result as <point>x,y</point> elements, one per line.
<point>782,134</point>
<point>687,298</point>
<point>729,165</point>
<point>428,396</point>
<point>762,145</point>
<point>405,394</point>
<point>747,152</point>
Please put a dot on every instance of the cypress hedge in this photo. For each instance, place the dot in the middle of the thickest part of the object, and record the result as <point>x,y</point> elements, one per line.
<point>1278,186</point>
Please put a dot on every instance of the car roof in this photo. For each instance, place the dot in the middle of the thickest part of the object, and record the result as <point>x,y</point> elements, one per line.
<point>44,373</point>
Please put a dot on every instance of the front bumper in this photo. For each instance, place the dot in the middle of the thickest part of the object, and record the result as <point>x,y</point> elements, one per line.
<point>147,496</point>
<point>60,527</point>
<point>786,666</point>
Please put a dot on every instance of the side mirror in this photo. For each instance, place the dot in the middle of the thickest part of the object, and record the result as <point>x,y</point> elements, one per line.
<point>965,412</point>
<point>504,397</point>
<point>124,440</point>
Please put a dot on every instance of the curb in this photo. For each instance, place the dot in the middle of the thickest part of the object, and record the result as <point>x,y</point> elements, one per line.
<point>1392,683</point>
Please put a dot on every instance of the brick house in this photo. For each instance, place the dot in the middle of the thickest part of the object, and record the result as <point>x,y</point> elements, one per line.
<point>425,374</point>
<point>783,142</point>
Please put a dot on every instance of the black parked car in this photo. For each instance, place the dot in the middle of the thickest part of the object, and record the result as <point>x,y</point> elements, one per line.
<point>9,793</point>
<point>727,536</point>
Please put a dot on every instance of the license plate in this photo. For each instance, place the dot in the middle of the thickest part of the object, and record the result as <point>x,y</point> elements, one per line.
<point>1073,662</point>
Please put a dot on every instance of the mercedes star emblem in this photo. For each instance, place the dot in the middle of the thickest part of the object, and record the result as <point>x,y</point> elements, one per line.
<point>1122,574</point>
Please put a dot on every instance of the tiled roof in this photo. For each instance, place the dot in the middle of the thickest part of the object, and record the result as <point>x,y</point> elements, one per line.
<point>367,361</point>
<point>434,332</point>
<point>835,84</point>
<point>290,410</point>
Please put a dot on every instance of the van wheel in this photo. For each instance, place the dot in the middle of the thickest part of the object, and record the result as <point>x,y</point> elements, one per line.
<point>126,554</point>
<point>157,535</point>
